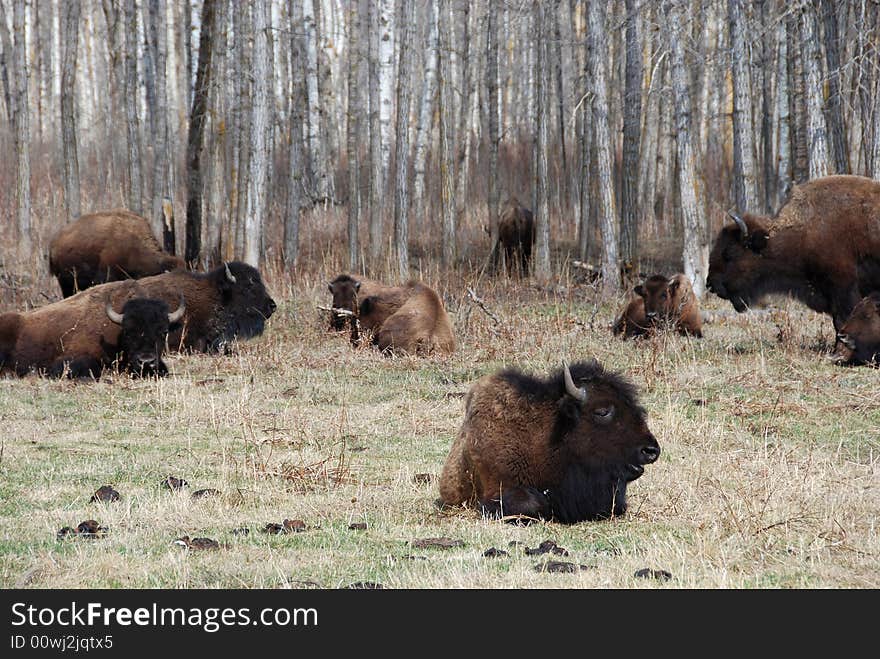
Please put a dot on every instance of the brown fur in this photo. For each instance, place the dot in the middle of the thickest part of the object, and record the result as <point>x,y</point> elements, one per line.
<point>516,234</point>
<point>858,341</point>
<point>106,246</point>
<point>822,247</point>
<point>420,326</point>
<point>522,435</point>
<point>672,303</point>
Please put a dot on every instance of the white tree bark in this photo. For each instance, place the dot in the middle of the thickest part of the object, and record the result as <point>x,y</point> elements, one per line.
<point>696,248</point>
<point>745,168</point>
<point>317,153</point>
<point>296,189</point>
<point>161,157</point>
<point>406,15</point>
<point>426,114</point>
<point>541,263</point>
<point>259,165</point>
<point>22,129</point>
<point>355,110</point>
<point>135,190</point>
<point>386,79</point>
<point>606,203</point>
<point>783,149</point>
<point>71,10</point>
<point>817,132</point>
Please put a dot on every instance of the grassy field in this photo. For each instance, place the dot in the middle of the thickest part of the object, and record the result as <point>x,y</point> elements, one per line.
<point>768,476</point>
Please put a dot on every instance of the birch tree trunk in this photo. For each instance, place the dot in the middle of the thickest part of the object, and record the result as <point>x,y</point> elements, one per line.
<point>259,165</point>
<point>541,249</point>
<point>352,134</point>
<point>585,226</point>
<point>766,112</point>
<point>162,158</point>
<point>386,81</point>
<point>296,187</point>
<point>696,248</point>
<point>447,162</point>
<point>817,133</point>
<point>632,115</point>
<point>463,131</point>
<point>426,113</point>
<point>242,45</point>
<point>783,103</point>
<point>377,181</point>
<point>605,201</point>
<point>71,13</point>
<point>406,16</point>
<point>7,66</point>
<point>135,176</point>
<point>494,137</point>
<point>836,126</point>
<point>22,130</point>
<point>317,154</point>
<point>745,171</point>
<point>193,248</point>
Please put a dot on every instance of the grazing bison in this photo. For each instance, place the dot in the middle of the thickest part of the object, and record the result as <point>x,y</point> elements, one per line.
<point>106,246</point>
<point>516,234</point>
<point>83,334</point>
<point>858,341</point>
<point>561,448</point>
<point>822,247</point>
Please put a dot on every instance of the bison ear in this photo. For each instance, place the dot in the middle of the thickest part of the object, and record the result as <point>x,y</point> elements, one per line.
<point>330,287</point>
<point>640,290</point>
<point>673,284</point>
<point>758,241</point>
<point>357,286</point>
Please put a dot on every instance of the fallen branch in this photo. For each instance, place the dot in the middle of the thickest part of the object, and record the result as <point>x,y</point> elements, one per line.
<point>472,296</point>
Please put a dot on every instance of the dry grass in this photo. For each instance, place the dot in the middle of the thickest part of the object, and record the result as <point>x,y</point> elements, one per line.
<point>768,476</point>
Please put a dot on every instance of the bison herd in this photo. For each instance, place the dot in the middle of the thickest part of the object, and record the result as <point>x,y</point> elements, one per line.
<point>563,447</point>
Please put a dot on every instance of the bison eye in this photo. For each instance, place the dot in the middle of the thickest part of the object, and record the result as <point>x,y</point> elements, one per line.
<point>604,414</point>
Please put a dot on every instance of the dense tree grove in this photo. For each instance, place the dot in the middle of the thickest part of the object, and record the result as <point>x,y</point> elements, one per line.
<point>389,131</point>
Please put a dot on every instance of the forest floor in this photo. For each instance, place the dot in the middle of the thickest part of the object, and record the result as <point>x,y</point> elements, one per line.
<point>768,476</point>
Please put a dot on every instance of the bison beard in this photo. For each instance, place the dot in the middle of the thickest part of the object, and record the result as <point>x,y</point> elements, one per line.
<point>549,448</point>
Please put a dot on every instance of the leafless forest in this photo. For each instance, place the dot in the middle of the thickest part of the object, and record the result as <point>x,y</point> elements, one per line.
<point>379,132</point>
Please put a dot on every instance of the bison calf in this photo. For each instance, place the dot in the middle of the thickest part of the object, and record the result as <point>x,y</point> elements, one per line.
<point>858,341</point>
<point>106,246</point>
<point>662,302</point>
<point>564,447</point>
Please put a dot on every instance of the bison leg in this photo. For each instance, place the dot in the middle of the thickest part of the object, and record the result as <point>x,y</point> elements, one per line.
<point>517,501</point>
<point>80,368</point>
<point>67,285</point>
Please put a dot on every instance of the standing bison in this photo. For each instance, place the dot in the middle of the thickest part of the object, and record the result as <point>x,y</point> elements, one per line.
<point>822,247</point>
<point>401,319</point>
<point>82,335</point>
<point>661,302</point>
<point>516,234</point>
<point>106,246</point>
<point>858,341</point>
<point>562,448</point>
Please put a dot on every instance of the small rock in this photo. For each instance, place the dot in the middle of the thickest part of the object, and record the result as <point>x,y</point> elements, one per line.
<point>545,547</point>
<point>357,526</point>
<point>437,543</point>
<point>411,557</point>
<point>203,543</point>
<point>207,492</point>
<point>516,543</point>
<point>65,531</point>
<point>560,566</point>
<point>287,526</point>
<point>304,584</point>
<point>105,493</point>
<point>241,531</point>
<point>174,483</point>
<point>648,573</point>
<point>492,552</point>
<point>423,479</point>
<point>365,585</point>
<point>91,529</point>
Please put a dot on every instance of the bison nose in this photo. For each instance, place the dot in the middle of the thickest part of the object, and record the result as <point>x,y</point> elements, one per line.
<point>650,453</point>
<point>272,306</point>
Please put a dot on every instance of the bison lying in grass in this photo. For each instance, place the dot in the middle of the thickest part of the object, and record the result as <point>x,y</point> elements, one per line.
<point>401,319</point>
<point>106,246</point>
<point>661,302</point>
<point>74,337</point>
<point>562,448</point>
<point>858,341</point>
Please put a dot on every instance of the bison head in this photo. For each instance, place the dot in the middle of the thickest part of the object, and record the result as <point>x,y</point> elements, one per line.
<point>245,303</point>
<point>345,299</point>
<point>858,341</point>
<point>735,261</point>
<point>658,293</point>
<point>144,327</point>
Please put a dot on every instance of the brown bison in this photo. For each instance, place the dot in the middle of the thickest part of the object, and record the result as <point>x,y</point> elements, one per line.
<point>822,247</point>
<point>82,335</point>
<point>405,319</point>
<point>661,302</point>
<point>106,246</point>
<point>560,448</point>
<point>858,341</point>
<point>516,235</point>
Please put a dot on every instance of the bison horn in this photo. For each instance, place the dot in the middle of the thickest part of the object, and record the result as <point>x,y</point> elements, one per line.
<point>229,275</point>
<point>174,316</point>
<point>744,230</point>
<point>112,315</point>
<point>578,393</point>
